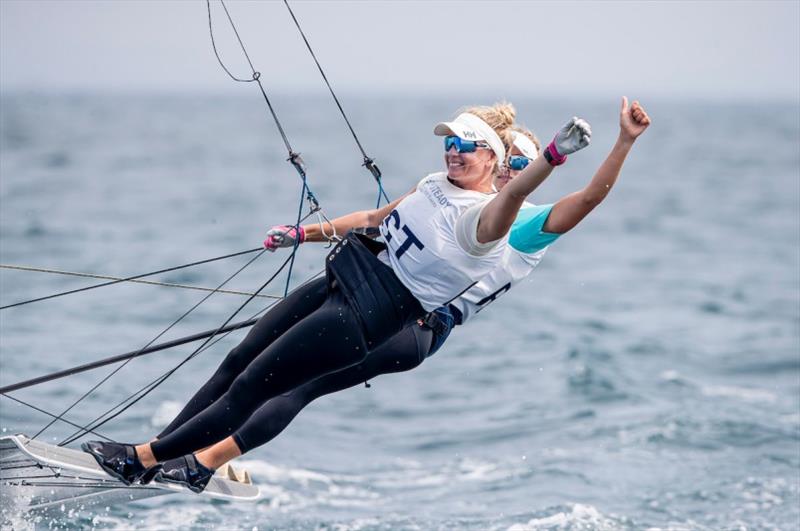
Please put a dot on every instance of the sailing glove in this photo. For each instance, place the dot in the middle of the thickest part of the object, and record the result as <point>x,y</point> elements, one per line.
<point>575,135</point>
<point>284,236</point>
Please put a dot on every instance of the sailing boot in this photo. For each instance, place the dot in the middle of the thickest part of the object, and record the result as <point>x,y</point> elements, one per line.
<point>186,471</point>
<point>120,461</point>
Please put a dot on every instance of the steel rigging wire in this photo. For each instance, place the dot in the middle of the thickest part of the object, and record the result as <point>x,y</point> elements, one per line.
<point>369,162</point>
<point>126,279</point>
<point>297,163</point>
<point>130,280</point>
<point>294,157</point>
<point>147,389</point>
<point>175,322</point>
<point>306,193</point>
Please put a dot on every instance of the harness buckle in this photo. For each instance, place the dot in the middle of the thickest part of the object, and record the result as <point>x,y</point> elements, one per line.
<point>434,322</point>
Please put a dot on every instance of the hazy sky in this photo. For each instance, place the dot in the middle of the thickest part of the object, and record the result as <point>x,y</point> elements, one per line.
<point>713,49</point>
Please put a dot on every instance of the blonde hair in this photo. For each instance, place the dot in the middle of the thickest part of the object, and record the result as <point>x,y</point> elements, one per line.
<point>499,117</point>
<point>519,128</point>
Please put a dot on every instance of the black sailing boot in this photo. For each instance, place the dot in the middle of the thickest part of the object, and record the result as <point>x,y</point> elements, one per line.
<point>186,471</point>
<point>120,461</point>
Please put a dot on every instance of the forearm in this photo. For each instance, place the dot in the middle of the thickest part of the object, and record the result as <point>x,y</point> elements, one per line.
<point>608,172</point>
<point>340,226</point>
<point>362,218</point>
<point>570,210</point>
<point>498,216</point>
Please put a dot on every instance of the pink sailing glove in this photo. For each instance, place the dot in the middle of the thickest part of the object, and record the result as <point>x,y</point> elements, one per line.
<point>283,236</point>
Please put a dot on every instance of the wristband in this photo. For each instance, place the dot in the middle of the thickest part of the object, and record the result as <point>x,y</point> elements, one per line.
<point>301,234</point>
<point>552,157</point>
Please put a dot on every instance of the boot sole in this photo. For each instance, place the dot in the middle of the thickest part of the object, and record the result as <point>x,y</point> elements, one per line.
<point>197,490</point>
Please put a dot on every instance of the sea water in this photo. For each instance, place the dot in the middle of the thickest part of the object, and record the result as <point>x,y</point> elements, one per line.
<point>647,375</point>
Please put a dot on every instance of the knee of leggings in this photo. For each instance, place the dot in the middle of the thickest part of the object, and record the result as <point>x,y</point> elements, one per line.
<point>235,362</point>
<point>243,392</point>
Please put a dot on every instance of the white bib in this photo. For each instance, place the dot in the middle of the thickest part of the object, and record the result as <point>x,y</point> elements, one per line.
<point>420,236</point>
<point>513,268</point>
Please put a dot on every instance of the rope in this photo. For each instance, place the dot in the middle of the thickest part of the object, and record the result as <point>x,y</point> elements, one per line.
<point>296,162</point>
<point>294,158</point>
<point>40,410</point>
<point>120,279</point>
<point>211,337</point>
<point>121,357</point>
<point>296,240</point>
<point>228,332</point>
<point>131,278</point>
<point>368,162</point>
<point>164,376</point>
<point>147,389</point>
<point>175,322</point>
<point>256,76</point>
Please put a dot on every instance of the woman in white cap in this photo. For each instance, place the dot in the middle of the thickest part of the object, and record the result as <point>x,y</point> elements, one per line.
<point>440,239</point>
<point>536,227</point>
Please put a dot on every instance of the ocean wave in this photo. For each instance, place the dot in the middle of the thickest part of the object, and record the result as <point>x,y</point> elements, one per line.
<point>573,517</point>
<point>741,393</point>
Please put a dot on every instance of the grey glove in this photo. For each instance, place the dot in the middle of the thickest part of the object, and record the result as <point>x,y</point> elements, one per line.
<point>575,135</point>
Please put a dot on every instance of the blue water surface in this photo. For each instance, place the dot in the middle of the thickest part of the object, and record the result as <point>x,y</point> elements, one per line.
<point>646,376</point>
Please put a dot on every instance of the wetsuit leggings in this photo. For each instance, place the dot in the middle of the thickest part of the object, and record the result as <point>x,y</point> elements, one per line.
<point>288,312</point>
<point>312,333</point>
<point>402,352</point>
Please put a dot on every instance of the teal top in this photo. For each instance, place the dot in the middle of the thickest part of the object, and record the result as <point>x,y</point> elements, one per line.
<point>527,235</point>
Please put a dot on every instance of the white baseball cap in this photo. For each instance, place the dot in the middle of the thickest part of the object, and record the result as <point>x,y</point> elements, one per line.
<point>525,145</point>
<point>467,126</point>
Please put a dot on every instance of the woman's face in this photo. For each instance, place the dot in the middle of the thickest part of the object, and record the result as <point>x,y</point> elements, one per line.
<point>470,170</point>
<point>506,173</point>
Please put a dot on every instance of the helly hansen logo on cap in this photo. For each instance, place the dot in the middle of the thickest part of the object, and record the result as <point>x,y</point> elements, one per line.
<point>470,134</point>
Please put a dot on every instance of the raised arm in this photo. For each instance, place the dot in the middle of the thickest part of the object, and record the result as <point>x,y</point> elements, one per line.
<point>571,209</point>
<point>498,215</point>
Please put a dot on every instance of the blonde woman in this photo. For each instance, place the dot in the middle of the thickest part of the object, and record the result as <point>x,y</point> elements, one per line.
<point>440,239</point>
<point>536,227</point>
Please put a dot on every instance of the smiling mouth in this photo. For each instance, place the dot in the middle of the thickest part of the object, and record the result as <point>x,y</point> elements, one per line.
<point>452,163</point>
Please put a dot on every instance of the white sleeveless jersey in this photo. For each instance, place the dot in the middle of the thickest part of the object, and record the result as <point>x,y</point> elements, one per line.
<point>420,236</point>
<point>513,268</point>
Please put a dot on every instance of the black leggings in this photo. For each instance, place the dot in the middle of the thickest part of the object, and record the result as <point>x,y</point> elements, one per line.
<point>314,332</point>
<point>402,352</point>
<point>327,339</point>
<point>288,312</point>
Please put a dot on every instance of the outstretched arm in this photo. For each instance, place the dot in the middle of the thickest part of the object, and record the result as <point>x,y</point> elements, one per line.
<point>571,209</point>
<point>286,235</point>
<point>362,218</point>
<point>498,215</point>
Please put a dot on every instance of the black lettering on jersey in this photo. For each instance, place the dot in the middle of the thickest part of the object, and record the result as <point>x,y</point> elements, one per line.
<point>396,216</point>
<point>491,298</point>
<point>411,238</point>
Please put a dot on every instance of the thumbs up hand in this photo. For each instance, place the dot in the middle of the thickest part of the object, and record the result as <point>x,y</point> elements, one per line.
<point>633,120</point>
